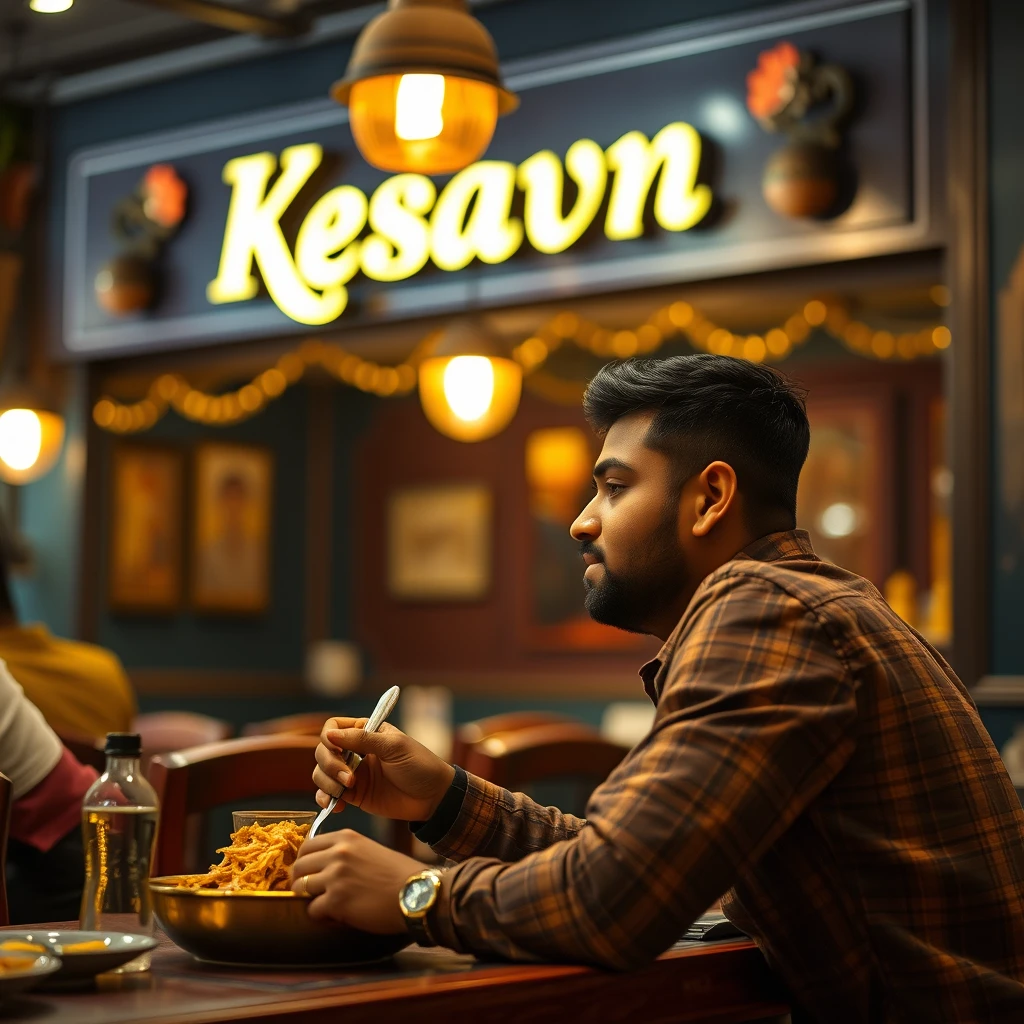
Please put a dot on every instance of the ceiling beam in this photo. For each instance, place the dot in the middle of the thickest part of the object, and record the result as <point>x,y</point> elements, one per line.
<point>233,19</point>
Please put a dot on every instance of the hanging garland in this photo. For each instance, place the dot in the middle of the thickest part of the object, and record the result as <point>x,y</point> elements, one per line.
<point>675,320</point>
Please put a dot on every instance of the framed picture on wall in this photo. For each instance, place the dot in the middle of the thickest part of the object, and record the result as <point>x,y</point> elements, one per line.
<point>231,540</point>
<point>146,514</point>
<point>439,543</point>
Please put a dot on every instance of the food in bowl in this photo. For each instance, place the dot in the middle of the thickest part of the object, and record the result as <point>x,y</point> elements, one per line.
<point>16,964</point>
<point>259,859</point>
<point>20,946</point>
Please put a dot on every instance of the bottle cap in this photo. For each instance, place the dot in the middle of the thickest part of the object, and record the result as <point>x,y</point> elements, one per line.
<point>123,744</point>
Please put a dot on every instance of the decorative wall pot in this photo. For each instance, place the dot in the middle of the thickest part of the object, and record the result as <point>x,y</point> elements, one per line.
<point>125,285</point>
<point>802,180</point>
<point>788,92</point>
<point>142,224</point>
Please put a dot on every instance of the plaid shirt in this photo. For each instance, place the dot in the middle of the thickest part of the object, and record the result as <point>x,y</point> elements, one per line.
<point>812,755</point>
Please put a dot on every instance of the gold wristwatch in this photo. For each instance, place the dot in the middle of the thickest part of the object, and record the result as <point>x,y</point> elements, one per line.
<point>416,899</point>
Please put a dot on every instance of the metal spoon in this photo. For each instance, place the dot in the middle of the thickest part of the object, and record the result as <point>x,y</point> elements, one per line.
<point>380,713</point>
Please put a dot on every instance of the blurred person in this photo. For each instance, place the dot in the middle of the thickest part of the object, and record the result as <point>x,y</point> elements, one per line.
<point>811,757</point>
<point>45,863</point>
<point>82,690</point>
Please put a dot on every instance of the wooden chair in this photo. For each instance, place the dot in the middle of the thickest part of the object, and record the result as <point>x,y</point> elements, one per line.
<point>470,734</point>
<point>165,731</point>
<point>309,723</point>
<point>567,750</point>
<point>6,798</point>
<point>87,749</point>
<point>195,781</point>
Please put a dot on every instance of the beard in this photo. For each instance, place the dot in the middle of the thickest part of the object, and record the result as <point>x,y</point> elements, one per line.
<point>631,598</point>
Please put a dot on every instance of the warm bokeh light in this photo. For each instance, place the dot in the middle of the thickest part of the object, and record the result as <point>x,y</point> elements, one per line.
<point>21,437</point>
<point>469,386</point>
<point>427,124</point>
<point>470,398</point>
<point>558,459</point>
<point>418,107</point>
<point>30,442</point>
<point>839,520</point>
<point>50,6</point>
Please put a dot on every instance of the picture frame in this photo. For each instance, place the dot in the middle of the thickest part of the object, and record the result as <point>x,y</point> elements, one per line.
<point>147,491</point>
<point>439,542</point>
<point>232,506</point>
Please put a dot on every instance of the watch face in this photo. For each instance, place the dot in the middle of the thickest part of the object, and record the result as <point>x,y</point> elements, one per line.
<point>417,895</point>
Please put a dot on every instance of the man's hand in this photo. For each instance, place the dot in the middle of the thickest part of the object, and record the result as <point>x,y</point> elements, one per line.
<point>398,778</point>
<point>353,880</point>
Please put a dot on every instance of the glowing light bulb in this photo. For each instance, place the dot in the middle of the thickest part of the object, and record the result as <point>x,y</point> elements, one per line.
<point>418,107</point>
<point>50,6</point>
<point>21,438</point>
<point>469,386</point>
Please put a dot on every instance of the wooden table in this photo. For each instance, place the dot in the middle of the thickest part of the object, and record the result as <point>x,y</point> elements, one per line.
<point>722,982</point>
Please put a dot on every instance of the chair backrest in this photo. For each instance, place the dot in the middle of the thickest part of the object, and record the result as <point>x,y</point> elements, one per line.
<point>87,749</point>
<point>164,731</point>
<point>6,794</point>
<point>309,723</point>
<point>195,781</point>
<point>543,753</point>
<point>472,733</point>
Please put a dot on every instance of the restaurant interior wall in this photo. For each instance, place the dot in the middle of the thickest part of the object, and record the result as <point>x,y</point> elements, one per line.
<point>259,84</point>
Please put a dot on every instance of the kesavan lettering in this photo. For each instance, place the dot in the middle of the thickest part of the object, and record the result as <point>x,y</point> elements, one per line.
<point>410,224</point>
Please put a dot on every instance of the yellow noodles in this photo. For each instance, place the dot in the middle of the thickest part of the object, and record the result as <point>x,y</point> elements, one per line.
<point>258,859</point>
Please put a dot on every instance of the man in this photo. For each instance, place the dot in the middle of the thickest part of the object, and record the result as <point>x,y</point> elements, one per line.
<point>811,756</point>
<point>82,690</point>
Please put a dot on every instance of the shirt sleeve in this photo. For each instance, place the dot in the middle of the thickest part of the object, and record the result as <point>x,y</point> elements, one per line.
<point>492,822</point>
<point>756,717</point>
<point>29,748</point>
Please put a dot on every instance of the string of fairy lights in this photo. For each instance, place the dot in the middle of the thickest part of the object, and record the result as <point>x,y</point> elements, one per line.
<point>676,320</point>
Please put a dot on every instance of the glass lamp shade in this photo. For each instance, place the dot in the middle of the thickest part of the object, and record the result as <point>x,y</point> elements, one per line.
<point>470,397</point>
<point>423,88</point>
<point>30,443</point>
<point>423,123</point>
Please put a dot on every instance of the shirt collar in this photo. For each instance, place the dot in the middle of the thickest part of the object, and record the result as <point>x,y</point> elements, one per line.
<point>772,548</point>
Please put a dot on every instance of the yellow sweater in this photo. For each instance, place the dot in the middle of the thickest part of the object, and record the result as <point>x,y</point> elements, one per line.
<point>81,689</point>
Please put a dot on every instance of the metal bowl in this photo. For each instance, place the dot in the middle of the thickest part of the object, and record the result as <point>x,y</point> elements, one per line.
<point>264,929</point>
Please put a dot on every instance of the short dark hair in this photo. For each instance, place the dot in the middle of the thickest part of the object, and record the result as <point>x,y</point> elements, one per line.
<point>711,407</point>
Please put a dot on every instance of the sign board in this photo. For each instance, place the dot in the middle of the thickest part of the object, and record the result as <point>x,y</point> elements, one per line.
<point>629,165</point>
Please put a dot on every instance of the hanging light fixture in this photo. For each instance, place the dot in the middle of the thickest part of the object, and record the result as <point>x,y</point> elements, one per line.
<point>31,435</point>
<point>423,88</point>
<point>469,390</point>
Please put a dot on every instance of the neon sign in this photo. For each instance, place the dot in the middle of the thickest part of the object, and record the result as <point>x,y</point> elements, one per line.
<point>410,223</point>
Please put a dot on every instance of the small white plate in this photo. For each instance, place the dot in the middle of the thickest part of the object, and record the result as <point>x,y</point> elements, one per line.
<point>40,965</point>
<point>104,952</point>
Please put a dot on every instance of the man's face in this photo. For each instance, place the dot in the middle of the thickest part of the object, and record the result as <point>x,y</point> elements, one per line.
<point>629,533</point>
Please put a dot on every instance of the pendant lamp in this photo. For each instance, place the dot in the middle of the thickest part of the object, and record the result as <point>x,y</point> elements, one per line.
<point>31,435</point>
<point>423,88</point>
<point>469,389</point>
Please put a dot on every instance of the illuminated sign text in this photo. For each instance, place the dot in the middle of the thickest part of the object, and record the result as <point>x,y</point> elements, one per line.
<point>410,224</point>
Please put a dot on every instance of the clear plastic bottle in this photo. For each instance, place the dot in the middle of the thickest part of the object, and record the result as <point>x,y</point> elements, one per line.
<point>119,822</point>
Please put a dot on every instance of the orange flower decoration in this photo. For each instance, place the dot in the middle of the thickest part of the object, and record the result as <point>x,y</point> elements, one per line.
<point>164,195</point>
<point>772,84</point>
